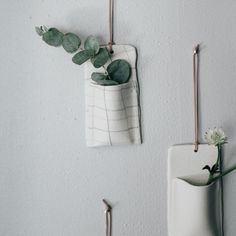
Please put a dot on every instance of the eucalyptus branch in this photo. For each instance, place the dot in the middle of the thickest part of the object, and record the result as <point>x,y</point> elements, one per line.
<point>117,72</point>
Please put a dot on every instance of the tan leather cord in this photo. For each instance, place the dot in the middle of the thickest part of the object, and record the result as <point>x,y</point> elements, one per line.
<point>195,92</point>
<point>108,218</point>
<point>111,10</point>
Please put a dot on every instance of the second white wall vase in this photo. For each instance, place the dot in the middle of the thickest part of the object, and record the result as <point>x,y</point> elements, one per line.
<point>196,210</point>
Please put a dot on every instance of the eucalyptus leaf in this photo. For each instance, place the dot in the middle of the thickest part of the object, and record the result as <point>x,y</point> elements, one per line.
<point>82,56</point>
<point>71,42</point>
<point>53,37</point>
<point>39,30</point>
<point>107,82</point>
<point>101,58</point>
<point>91,43</point>
<point>98,76</point>
<point>119,71</point>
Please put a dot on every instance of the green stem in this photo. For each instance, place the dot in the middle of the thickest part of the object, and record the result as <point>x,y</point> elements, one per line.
<point>223,174</point>
<point>220,166</point>
<point>106,72</point>
<point>218,163</point>
<point>210,178</point>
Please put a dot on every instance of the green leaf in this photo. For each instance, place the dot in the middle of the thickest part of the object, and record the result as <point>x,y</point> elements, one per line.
<point>71,42</point>
<point>91,43</point>
<point>98,76</point>
<point>101,58</point>
<point>39,30</point>
<point>107,82</point>
<point>82,56</point>
<point>119,71</point>
<point>53,37</point>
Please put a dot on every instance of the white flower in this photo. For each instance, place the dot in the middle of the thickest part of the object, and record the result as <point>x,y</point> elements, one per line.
<point>215,136</point>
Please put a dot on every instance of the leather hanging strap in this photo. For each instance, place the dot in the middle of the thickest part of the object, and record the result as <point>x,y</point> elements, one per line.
<point>108,218</point>
<point>195,92</point>
<point>111,10</point>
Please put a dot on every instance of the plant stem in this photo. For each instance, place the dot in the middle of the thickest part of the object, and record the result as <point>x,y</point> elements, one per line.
<point>217,168</point>
<point>106,72</point>
<point>210,178</point>
<point>218,163</point>
<point>223,173</point>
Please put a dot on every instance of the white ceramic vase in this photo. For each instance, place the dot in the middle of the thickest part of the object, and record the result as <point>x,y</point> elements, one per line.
<point>195,209</point>
<point>113,112</point>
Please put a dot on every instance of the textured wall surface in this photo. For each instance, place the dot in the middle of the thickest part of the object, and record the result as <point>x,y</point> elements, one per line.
<point>51,184</point>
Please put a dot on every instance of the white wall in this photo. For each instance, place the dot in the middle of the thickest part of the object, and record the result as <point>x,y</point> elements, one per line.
<point>51,184</point>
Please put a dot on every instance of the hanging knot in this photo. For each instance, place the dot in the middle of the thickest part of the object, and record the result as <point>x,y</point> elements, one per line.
<point>110,47</point>
<point>108,206</point>
<point>196,49</point>
<point>196,147</point>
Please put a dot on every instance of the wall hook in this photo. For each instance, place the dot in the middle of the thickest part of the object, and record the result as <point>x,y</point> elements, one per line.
<point>108,212</point>
<point>196,50</point>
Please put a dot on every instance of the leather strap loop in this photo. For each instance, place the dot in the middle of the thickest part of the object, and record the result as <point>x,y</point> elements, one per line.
<point>108,218</point>
<point>195,92</point>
